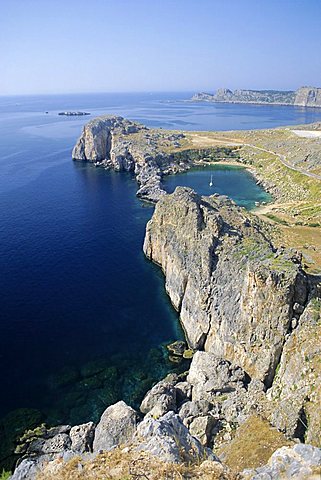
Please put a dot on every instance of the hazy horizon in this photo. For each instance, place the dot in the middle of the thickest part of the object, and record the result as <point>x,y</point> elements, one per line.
<point>137,47</point>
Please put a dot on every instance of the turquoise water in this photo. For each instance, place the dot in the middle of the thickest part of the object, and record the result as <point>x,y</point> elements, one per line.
<point>84,316</point>
<point>234,181</point>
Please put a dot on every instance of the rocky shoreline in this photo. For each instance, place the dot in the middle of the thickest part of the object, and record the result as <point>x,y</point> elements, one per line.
<point>251,316</point>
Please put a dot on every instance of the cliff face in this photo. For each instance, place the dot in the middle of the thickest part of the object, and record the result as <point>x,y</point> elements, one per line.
<point>236,295</point>
<point>308,97</point>
<point>304,96</point>
<point>296,390</point>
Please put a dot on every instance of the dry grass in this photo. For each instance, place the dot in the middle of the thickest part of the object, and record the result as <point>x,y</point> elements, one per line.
<point>253,444</point>
<point>131,465</point>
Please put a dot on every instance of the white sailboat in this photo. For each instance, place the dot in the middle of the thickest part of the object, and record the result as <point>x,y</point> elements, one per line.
<point>211,182</point>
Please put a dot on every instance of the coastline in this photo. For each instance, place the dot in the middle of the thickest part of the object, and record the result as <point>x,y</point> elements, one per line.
<point>149,176</point>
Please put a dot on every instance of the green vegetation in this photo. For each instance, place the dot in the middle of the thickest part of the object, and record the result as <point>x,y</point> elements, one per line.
<point>214,154</point>
<point>5,475</point>
<point>276,219</point>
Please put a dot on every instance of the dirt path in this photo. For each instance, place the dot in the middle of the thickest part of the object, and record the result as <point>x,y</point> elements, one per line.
<point>283,160</point>
<point>204,140</point>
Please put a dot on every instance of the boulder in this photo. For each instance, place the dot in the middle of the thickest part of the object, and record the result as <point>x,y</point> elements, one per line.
<point>162,396</point>
<point>210,375</point>
<point>190,410</point>
<point>300,462</point>
<point>202,428</point>
<point>168,439</point>
<point>82,437</point>
<point>117,425</point>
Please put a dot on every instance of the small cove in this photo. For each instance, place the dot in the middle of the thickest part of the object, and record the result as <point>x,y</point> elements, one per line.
<point>232,180</point>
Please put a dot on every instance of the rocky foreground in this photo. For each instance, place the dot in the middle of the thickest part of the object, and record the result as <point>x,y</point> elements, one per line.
<point>252,317</point>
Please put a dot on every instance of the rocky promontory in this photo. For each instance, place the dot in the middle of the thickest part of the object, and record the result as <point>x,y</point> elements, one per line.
<point>242,300</point>
<point>303,97</point>
<point>238,296</point>
<point>115,143</point>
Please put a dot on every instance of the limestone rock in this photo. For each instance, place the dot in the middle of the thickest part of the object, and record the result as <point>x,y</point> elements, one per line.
<point>26,470</point>
<point>296,390</point>
<point>82,437</point>
<point>58,443</point>
<point>117,425</point>
<point>162,395</point>
<point>168,439</point>
<point>299,462</point>
<point>183,392</point>
<point>234,297</point>
<point>202,428</point>
<point>308,97</point>
<point>94,145</point>
<point>210,375</point>
<point>190,410</point>
<point>113,142</point>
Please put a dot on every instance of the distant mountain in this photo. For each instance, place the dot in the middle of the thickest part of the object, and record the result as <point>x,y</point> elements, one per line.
<point>304,96</point>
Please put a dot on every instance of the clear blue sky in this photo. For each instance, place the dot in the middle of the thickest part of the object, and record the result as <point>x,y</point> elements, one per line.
<point>56,46</point>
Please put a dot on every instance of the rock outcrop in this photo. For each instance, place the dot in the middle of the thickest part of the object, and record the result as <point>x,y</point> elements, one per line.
<point>237,296</point>
<point>43,445</point>
<point>115,143</point>
<point>169,439</point>
<point>117,426</point>
<point>296,390</point>
<point>301,462</point>
<point>304,97</point>
<point>308,97</point>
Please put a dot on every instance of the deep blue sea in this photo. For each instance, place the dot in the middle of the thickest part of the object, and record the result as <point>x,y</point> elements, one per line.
<point>84,316</point>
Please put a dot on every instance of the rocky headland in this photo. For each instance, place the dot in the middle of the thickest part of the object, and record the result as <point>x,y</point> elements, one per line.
<point>249,405</point>
<point>116,143</point>
<point>303,97</point>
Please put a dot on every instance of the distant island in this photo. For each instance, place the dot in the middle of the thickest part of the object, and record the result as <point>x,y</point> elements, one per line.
<point>303,97</point>
<point>73,114</point>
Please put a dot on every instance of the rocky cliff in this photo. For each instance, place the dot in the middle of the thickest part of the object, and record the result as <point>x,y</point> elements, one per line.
<point>304,96</point>
<point>308,97</point>
<point>115,143</point>
<point>237,296</point>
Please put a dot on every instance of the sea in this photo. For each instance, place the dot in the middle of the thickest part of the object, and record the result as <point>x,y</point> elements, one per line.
<point>85,319</point>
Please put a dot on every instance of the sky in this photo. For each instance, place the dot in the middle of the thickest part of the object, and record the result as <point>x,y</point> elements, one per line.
<point>73,46</point>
